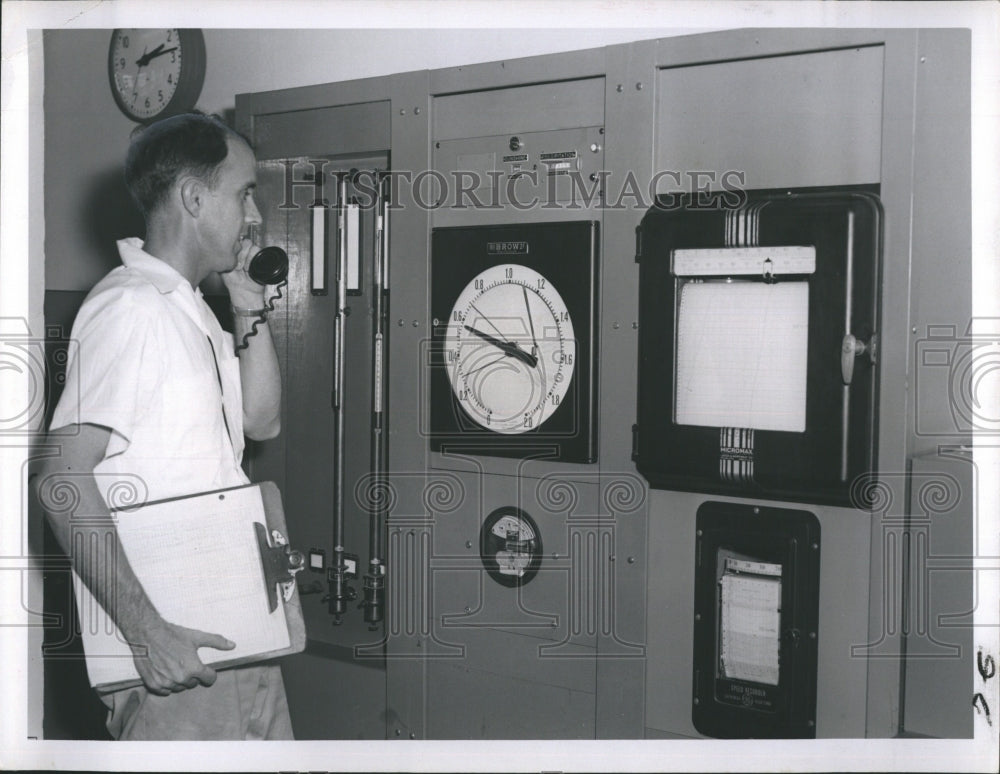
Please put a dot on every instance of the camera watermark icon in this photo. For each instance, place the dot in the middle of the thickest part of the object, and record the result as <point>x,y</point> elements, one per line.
<point>957,379</point>
<point>32,369</point>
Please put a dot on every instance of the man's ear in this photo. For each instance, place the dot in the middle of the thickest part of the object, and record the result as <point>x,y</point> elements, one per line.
<point>192,191</point>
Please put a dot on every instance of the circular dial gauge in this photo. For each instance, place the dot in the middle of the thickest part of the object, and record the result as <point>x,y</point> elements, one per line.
<point>510,349</point>
<point>510,546</point>
<point>155,72</point>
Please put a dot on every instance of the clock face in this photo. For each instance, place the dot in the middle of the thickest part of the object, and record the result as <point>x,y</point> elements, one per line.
<point>156,72</point>
<point>513,348</point>
<point>510,349</point>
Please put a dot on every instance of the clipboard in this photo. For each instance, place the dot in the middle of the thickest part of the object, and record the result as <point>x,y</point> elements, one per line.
<point>211,561</point>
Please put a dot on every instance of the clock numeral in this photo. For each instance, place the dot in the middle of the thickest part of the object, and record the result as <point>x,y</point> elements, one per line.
<point>170,35</point>
<point>160,95</point>
<point>147,102</point>
<point>125,41</point>
<point>555,399</point>
<point>170,78</point>
<point>479,284</point>
<point>173,57</point>
<point>541,282</point>
<point>458,316</point>
<point>563,316</point>
<point>464,394</point>
<point>452,356</point>
<point>564,359</point>
<point>527,420</point>
<point>121,61</point>
<point>509,272</point>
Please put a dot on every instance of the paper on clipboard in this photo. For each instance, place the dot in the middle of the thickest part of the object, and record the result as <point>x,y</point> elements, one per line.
<point>198,561</point>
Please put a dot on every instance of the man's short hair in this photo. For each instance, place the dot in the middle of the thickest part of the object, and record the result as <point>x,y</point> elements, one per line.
<point>187,144</point>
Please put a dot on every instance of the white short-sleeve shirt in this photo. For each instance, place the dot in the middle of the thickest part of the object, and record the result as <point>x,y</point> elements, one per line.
<point>144,366</point>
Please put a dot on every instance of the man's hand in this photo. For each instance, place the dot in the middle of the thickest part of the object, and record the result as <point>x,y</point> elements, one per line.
<point>258,362</point>
<point>243,291</point>
<point>168,660</point>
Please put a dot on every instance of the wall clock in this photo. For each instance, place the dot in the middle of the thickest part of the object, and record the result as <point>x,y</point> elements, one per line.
<point>515,340</point>
<point>156,73</point>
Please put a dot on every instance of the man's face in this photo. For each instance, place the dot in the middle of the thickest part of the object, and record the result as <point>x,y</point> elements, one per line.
<point>229,208</point>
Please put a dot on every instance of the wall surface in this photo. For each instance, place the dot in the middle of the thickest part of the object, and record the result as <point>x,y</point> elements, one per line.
<point>86,205</point>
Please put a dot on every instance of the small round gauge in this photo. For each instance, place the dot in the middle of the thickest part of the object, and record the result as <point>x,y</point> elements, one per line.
<point>155,73</point>
<point>510,546</point>
<point>510,349</point>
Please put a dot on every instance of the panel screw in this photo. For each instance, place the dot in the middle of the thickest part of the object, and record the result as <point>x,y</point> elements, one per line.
<point>413,735</point>
<point>400,322</point>
<point>638,86</point>
<point>437,145</point>
<point>555,555</point>
<point>699,533</point>
<point>468,609</point>
<point>635,326</point>
<point>416,111</point>
<point>398,732</point>
<point>616,325</point>
<point>756,509</point>
<point>402,111</point>
<point>619,88</point>
<point>468,544</point>
<point>416,324</point>
<point>815,546</point>
<point>631,560</point>
<point>697,616</point>
<point>611,558</point>
<point>812,635</point>
<point>695,699</point>
<point>601,130</point>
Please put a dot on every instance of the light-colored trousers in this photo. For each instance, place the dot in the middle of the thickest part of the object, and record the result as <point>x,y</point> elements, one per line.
<point>244,703</point>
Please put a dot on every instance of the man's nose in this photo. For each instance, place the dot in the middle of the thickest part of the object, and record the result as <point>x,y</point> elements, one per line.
<point>252,214</point>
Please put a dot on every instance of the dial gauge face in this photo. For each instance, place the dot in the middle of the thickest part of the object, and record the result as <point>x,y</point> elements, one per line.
<point>510,349</point>
<point>155,72</point>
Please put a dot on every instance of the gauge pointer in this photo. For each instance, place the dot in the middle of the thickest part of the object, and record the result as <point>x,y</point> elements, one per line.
<point>531,322</point>
<point>508,348</point>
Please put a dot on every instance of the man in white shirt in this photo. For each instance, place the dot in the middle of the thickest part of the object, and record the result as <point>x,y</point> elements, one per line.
<point>156,404</point>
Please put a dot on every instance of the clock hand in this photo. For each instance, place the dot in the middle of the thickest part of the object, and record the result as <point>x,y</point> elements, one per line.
<point>486,365</point>
<point>507,347</point>
<point>145,59</point>
<point>487,319</point>
<point>531,322</point>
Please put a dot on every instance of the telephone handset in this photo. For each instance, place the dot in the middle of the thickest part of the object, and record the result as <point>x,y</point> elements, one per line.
<point>268,267</point>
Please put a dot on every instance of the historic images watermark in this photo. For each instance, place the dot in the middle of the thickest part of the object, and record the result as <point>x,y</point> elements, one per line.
<point>314,181</point>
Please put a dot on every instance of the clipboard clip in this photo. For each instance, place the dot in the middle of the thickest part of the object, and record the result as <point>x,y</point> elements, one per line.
<point>279,562</point>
